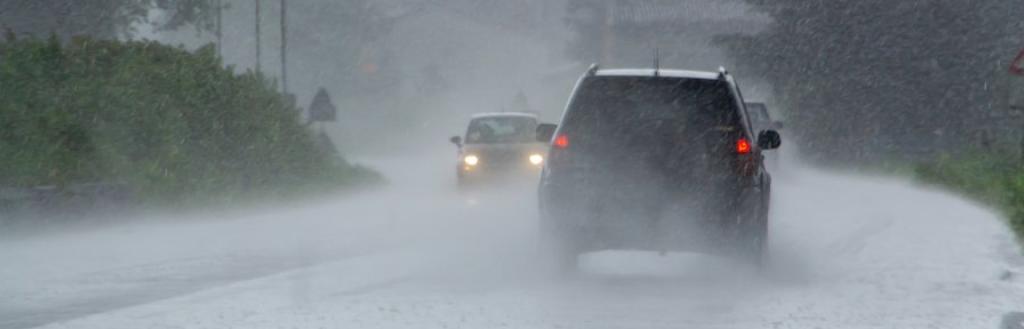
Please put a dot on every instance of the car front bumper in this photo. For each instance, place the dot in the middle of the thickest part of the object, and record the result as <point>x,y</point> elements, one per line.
<point>497,172</point>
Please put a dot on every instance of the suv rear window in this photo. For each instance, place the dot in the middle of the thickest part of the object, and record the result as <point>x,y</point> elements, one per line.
<point>642,110</point>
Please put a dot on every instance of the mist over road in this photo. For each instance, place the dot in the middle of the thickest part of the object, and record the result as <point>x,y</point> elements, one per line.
<point>848,251</point>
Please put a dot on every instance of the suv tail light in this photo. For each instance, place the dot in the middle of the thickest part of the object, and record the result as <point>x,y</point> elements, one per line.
<point>559,149</point>
<point>561,141</point>
<point>742,146</point>
<point>746,164</point>
<point>1017,66</point>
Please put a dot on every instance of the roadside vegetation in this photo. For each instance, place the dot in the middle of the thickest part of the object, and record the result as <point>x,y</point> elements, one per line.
<point>992,178</point>
<point>917,77</point>
<point>168,124</point>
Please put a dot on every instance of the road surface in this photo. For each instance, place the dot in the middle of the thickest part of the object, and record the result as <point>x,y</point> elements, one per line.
<point>848,252</point>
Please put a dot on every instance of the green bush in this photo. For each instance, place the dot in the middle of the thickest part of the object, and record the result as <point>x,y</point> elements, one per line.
<point>1015,203</point>
<point>992,178</point>
<point>169,123</point>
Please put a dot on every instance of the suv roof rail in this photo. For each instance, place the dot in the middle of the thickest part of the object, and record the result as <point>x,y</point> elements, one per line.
<point>593,69</point>
<point>722,72</point>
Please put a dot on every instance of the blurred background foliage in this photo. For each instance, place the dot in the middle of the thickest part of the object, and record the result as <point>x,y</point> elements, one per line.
<point>168,123</point>
<point>870,80</point>
<point>991,178</point>
<point>101,18</point>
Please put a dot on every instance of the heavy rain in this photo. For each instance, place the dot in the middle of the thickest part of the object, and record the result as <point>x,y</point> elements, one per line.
<point>511,164</point>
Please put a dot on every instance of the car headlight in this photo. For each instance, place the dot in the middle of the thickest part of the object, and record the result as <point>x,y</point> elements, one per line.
<point>536,159</point>
<point>471,160</point>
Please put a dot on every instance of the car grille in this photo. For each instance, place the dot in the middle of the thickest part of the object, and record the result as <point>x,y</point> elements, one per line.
<point>502,159</point>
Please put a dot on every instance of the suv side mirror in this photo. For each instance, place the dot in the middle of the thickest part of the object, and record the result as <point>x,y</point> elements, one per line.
<point>456,140</point>
<point>769,140</point>
<point>545,132</point>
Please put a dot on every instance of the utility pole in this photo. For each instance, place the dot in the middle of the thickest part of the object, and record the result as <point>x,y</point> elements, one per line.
<point>257,35</point>
<point>284,47</point>
<point>220,22</point>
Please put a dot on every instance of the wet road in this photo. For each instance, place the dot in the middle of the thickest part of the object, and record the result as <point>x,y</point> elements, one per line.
<point>848,251</point>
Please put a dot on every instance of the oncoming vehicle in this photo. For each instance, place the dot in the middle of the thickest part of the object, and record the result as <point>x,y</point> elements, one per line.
<point>659,160</point>
<point>499,145</point>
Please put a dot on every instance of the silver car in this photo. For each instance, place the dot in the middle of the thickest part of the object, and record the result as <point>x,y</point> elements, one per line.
<point>499,145</point>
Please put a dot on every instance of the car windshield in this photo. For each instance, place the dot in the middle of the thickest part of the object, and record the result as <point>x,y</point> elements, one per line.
<point>501,129</point>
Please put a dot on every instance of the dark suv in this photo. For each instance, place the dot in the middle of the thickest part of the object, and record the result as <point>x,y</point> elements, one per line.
<point>661,160</point>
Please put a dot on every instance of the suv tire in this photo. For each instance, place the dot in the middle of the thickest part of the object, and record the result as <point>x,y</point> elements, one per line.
<point>559,247</point>
<point>754,236</point>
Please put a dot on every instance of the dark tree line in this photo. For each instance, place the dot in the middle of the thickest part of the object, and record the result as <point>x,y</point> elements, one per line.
<point>162,122</point>
<point>870,79</point>
<point>98,18</point>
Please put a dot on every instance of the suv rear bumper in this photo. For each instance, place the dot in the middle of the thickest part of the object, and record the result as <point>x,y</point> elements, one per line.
<point>656,221</point>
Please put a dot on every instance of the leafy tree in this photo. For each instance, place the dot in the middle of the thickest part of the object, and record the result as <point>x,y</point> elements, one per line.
<point>875,78</point>
<point>169,123</point>
<point>98,18</point>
